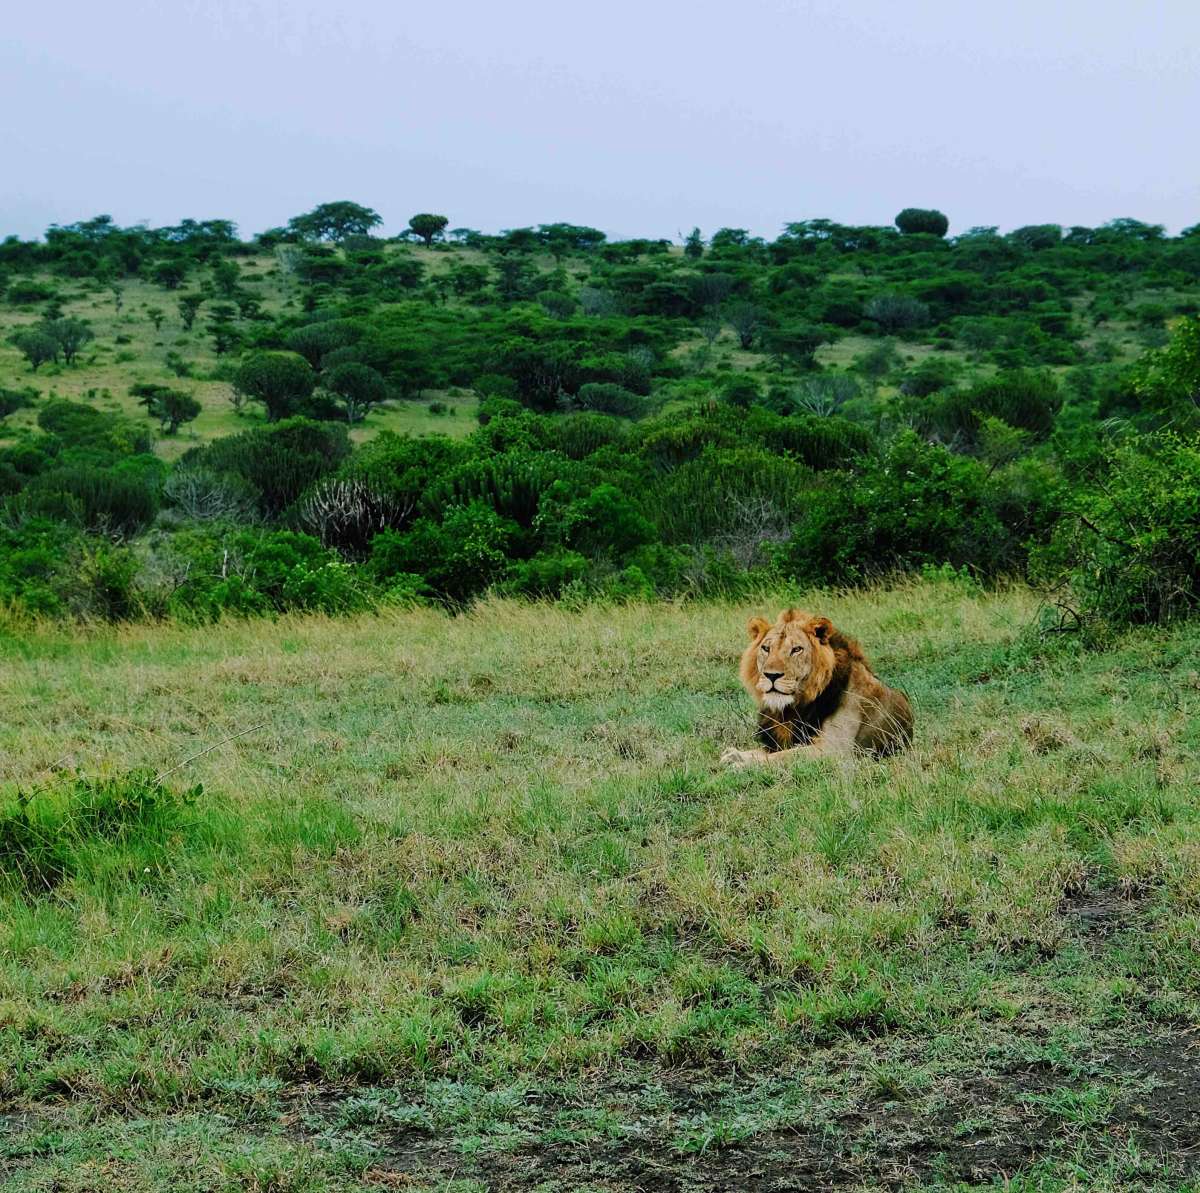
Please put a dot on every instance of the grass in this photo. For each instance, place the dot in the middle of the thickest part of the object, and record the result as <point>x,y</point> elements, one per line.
<point>475,901</point>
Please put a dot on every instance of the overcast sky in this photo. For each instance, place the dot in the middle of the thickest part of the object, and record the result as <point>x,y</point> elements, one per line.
<point>641,117</point>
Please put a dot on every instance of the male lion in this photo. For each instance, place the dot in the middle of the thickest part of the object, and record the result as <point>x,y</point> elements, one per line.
<point>816,694</point>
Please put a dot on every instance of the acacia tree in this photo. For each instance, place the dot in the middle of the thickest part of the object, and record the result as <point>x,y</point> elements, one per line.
<point>172,407</point>
<point>427,226</point>
<point>221,327</point>
<point>920,219</point>
<point>693,245</point>
<point>189,307</point>
<point>36,345</point>
<point>744,318</point>
<point>279,380</point>
<point>356,387</point>
<point>335,221</point>
<point>70,335</point>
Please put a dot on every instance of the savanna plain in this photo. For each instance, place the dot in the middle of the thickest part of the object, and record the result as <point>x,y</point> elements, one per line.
<point>466,902</point>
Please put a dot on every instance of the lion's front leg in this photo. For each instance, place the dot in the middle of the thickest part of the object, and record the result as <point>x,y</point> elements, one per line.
<point>742,758</point>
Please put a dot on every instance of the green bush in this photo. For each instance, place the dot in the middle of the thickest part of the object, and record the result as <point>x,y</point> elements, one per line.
<point>460,557</point>
<point>112,500</point>
<point>279,461</point>
<point>547,574</point>
<point>913,505</point>
<point>1129,548</point>
<point>247,572</point>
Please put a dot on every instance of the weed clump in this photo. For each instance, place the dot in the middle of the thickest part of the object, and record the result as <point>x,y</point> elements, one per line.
<point>120,827</point>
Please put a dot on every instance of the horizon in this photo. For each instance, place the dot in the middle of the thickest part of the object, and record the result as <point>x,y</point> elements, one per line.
<point>391,230</point>
<point>643,124</point>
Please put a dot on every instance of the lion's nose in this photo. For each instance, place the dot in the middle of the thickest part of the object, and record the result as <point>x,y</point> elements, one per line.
<point>772,675</point>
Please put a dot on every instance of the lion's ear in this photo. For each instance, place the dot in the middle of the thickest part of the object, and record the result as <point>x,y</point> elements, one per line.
<point>822,628</point>
<point>756,627</point>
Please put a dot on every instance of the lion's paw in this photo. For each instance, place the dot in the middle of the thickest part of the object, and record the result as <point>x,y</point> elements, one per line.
<point>741,758</point>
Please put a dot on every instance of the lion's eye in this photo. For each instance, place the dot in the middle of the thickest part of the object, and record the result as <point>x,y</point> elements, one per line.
<point>765,646</point>
<point>796,649</point>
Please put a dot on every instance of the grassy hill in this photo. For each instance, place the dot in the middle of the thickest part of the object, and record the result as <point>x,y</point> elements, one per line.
<point>467,903</point>
<point>129,348</point>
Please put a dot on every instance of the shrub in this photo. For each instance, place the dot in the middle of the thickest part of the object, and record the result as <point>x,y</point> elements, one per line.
<point>897,312</point>
<point>602,522</point>
<point>346,512</point>
<point>704,499</point>
<point>1022,399</point>
<point>604,397</point>
<point>1130,547</point>
<point>206,496</point>
<point>246,572</point>
<point>547,574</point>
<point>279,461</point>
<point>577,436</point>
<point>112,500</point>
<point>12,400</point>
<point>914,504</point>
<point>460,556</point>
<point>1167,381</point>
<point>92,433</point>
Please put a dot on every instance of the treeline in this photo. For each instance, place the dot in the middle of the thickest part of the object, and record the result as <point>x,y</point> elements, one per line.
<point>984,422</point>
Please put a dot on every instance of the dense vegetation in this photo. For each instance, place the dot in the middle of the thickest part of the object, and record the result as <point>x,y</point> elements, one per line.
<point>196,425</point>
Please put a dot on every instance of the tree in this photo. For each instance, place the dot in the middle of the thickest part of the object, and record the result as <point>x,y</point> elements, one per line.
<point>36,345</point>
<point>225,276</point>
<point>919,219</point>
<point>357,387</point>
<point>156,315</point>
<point>797,342</point>
<point>744,318</point>
<point>189,307</point>
<point>169,274</point>
<point>335,221</point>
<point>561,239</point>
<point>221,327</point>
<point>70,335</point>
<point>516,279</point>
<point>281,381</point>
<point>897,312</point>
<point>693,245</point>
<point>427,226</point>
<point>172,407</point>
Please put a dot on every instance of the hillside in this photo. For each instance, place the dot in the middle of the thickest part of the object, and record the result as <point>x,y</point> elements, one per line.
<point>192,424</point>
<point>467,903</point>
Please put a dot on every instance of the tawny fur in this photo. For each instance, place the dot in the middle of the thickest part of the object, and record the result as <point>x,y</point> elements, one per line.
<point>825,698</point>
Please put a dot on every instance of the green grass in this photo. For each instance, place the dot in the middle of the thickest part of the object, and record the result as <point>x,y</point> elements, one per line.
<point>473,901</point>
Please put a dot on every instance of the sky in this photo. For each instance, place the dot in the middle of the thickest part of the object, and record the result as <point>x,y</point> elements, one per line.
<point>640,117</point>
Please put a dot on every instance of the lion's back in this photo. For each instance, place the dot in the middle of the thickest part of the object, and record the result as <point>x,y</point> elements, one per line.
<point>887,715</point>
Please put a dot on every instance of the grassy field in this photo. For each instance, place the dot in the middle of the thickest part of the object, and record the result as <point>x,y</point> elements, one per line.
<point>469,904</point>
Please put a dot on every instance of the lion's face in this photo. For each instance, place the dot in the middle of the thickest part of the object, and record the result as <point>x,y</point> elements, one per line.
<point>788,657</point>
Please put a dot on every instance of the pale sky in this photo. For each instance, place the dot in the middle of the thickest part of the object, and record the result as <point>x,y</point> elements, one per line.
<point>640,117</point>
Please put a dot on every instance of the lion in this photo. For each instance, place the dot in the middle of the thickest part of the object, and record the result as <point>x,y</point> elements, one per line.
<point>816,694</point>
